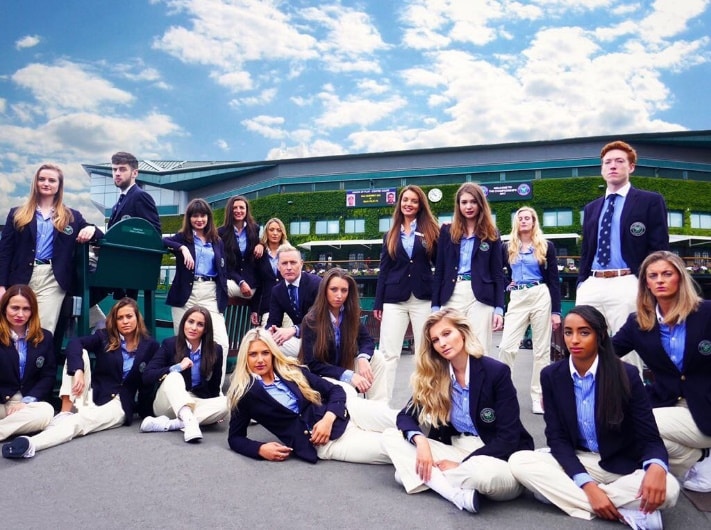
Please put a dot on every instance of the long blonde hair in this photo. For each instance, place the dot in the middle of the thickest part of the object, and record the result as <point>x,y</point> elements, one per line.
<point>484,225</point>
<point>687,298</point>
<point>431,382</point>
<point>287,368</point>
<point>540,245</point>
<point>62,215</point>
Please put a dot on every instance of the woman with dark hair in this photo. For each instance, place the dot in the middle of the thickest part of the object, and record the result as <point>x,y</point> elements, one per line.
<point>606,458</point>
<point>469,272</point>
<point>240,233</point>
<point>187,368</point>
<point>534,285</point>
<point>27,366</point>
<point>334,342</point>
<point>403,294</point>
<point>468,404</point>
<point>313,418</point>
<point>38,242</point>
<point>107,395</point>
<point>671,332</point>
<point>267,269</point>
<point>200,272</point>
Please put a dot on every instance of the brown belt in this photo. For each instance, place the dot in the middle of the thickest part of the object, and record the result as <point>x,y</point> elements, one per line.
<point>611,273</point>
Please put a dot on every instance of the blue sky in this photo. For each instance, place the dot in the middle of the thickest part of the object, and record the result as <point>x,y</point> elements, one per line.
<point>254,80</point>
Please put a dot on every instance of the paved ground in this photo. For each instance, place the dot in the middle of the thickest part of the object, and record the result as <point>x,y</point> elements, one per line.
<point>125,479</point>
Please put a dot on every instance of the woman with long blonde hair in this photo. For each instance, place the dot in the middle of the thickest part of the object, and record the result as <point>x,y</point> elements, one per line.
<point>267,269</point>
<point>671,332</point>
<point>468,402</point>
<point>313,418</point>
<point>403,294</point>
<point>532,268</point>
<point>469,271</point>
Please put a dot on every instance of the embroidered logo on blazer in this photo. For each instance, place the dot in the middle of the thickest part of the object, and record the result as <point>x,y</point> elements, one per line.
<point>142,366</point>
<point>68,230</point>
<point>705,347</point>
<point>638,229</point>
<point>222,263</point>
<point>484,246</point>
<point>487,415</point>
<point>39,362</point>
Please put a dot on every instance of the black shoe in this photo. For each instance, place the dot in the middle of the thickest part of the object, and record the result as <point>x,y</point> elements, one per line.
<point>16,448</point>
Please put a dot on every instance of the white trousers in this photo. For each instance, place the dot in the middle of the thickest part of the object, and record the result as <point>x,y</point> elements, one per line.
<point>233,291</point>
<point>681,437</point>
<point>528,307</point>
<point>362,442</point>
<point>479,315</point>
<point>541,473</point>
<point>615,298</point>
<point>379,389</point>
<point>204,294</point>
<point>393,326</point>
<point>31,418</point>
<point>488,475</point>
<point>50,295</point>
<point>172,396</point>
<point>67,381</point>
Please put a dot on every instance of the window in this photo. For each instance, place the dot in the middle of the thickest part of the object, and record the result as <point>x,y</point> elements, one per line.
<point>701,220</point>
<point>384,224</point>
<point>582,217</point>
<point>299,228</point>
<point>557,217</point>
<point>445,218</point>
<point>330,226</point>
<point>355,226</point>
<point>675,219</point>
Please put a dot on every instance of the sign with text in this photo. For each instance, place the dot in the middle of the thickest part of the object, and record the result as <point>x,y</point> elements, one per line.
<point>508,192</point>
<point>371,198</point>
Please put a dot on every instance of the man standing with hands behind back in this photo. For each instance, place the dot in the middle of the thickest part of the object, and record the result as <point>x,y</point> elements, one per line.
<point>619,231</point>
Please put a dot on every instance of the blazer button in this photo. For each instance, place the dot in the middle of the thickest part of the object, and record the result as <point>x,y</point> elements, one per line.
<point>683,378</point>
<point>679,398</point>
<point>306,433</point>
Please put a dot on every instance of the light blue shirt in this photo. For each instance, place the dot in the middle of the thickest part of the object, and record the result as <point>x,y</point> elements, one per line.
<point>241,238</point>
<point>673,340</point>
<point>273,261</point>
<point>128,358</point>
<point>408,241</point>
<point>45,236</point>
<point>204,258</point>
<point>196,358</point>
<point>21,347</point>
<point>466,248</point>
<point>281,393</point>
<point>460,416</point>
<point>616,261</point>
<point>526,269</point>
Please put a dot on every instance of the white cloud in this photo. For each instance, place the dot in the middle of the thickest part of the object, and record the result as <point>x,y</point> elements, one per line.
<point>371,86</point>
<point>317,148</point>
<point>670,17</point>
<point>267,126</point>
<point>355,110</point>
<point>222,145</point>
<point>28,41</point>
<point>264,97</point>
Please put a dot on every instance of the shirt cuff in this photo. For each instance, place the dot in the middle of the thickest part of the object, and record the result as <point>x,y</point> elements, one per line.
<point>29,399</point>
<point>297,331</point>
<point>411,434</point>
<point>364,356</point>
<point>499,311</point>
<point>435,308</point>
<point>651,461</point>
<point>581,479</point>
<point>347,376</point>
<point>175,368</point>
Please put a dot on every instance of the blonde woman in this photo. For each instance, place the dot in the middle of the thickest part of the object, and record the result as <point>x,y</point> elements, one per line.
<point>534,285</point>
<point>267,269</point>
<point>469,403</point>
<point>313,419</point>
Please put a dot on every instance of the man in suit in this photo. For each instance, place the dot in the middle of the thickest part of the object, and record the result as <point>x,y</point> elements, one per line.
<point>293,297</point>
<point>619,231</point>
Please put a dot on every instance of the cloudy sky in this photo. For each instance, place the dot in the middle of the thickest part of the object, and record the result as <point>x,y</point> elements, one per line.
<point>261,79</point>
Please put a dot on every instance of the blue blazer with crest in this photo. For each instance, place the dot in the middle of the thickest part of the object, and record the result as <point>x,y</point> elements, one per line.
<point>279,302</point>
<point>137,203</point>
<point>40,370</point>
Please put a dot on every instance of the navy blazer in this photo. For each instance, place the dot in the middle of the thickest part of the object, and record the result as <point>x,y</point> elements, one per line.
<point>643,229</point>
<point>621,451</point>
<point>403,276</point>
<point>182,285</point>
<point>487,270</point>
<point>293,429</point>
<point>267,280</point>
<point>241,266</point>
<point>40,370</point>
<point>279,302</point>
<point>549,271</point>
<point>18,250</point>
<point>332,368</point>
<point>136,203</point>
<point>159,366</point>
<point>693,382</point>
<point>493,408</point>
<point>107,373</point>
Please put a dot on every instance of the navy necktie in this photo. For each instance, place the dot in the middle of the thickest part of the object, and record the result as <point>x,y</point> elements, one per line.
<point>603,240</point>
<point>293,297</point>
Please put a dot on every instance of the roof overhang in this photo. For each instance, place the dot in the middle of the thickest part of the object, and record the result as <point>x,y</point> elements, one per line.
<point>691,240</point>
<point>340,243</point>
<point>571,235</point>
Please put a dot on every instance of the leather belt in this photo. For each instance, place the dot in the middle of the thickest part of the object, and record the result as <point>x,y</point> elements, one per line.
<point>613,273</point>
<point>204,278</point>
<point>43,261</point>
<point>464,277</point>
<point>526,285</point>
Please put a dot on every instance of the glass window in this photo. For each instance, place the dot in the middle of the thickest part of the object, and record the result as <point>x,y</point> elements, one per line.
<point>557,217</point>
<point>384,224</point>
<point>701,220</point>
<point>355,226</point>
<point>445,218</point>
<point>329,226</point>
<point>675,219</point>
<point>299,228</point>
<point>582,217</point>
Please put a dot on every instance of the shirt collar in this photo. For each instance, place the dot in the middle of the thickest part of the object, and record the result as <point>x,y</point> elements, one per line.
<point>334,320</point>
<point>190,348</point>
<point>413,226</point>
<point>295,282</point>
<point>15,337</point>
<point>454,377</point>
<point>622,192</point>
<point>592,370</point>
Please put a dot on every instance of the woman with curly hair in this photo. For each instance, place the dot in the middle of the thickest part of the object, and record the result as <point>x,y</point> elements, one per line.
<point>469,404</point>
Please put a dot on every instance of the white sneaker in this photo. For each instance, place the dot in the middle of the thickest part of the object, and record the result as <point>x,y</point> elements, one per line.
<point>698,478</point>
<point>637,520</point>
<point>536,408</point>
<point>467,500</point>
<point>192,432</point>
<point>159,424</point>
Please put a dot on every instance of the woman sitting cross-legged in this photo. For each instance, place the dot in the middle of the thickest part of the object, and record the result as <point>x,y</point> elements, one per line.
<point>313,418</point>
<point>469,403</point>
<point>606,457</point>
<point>188,369</point>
